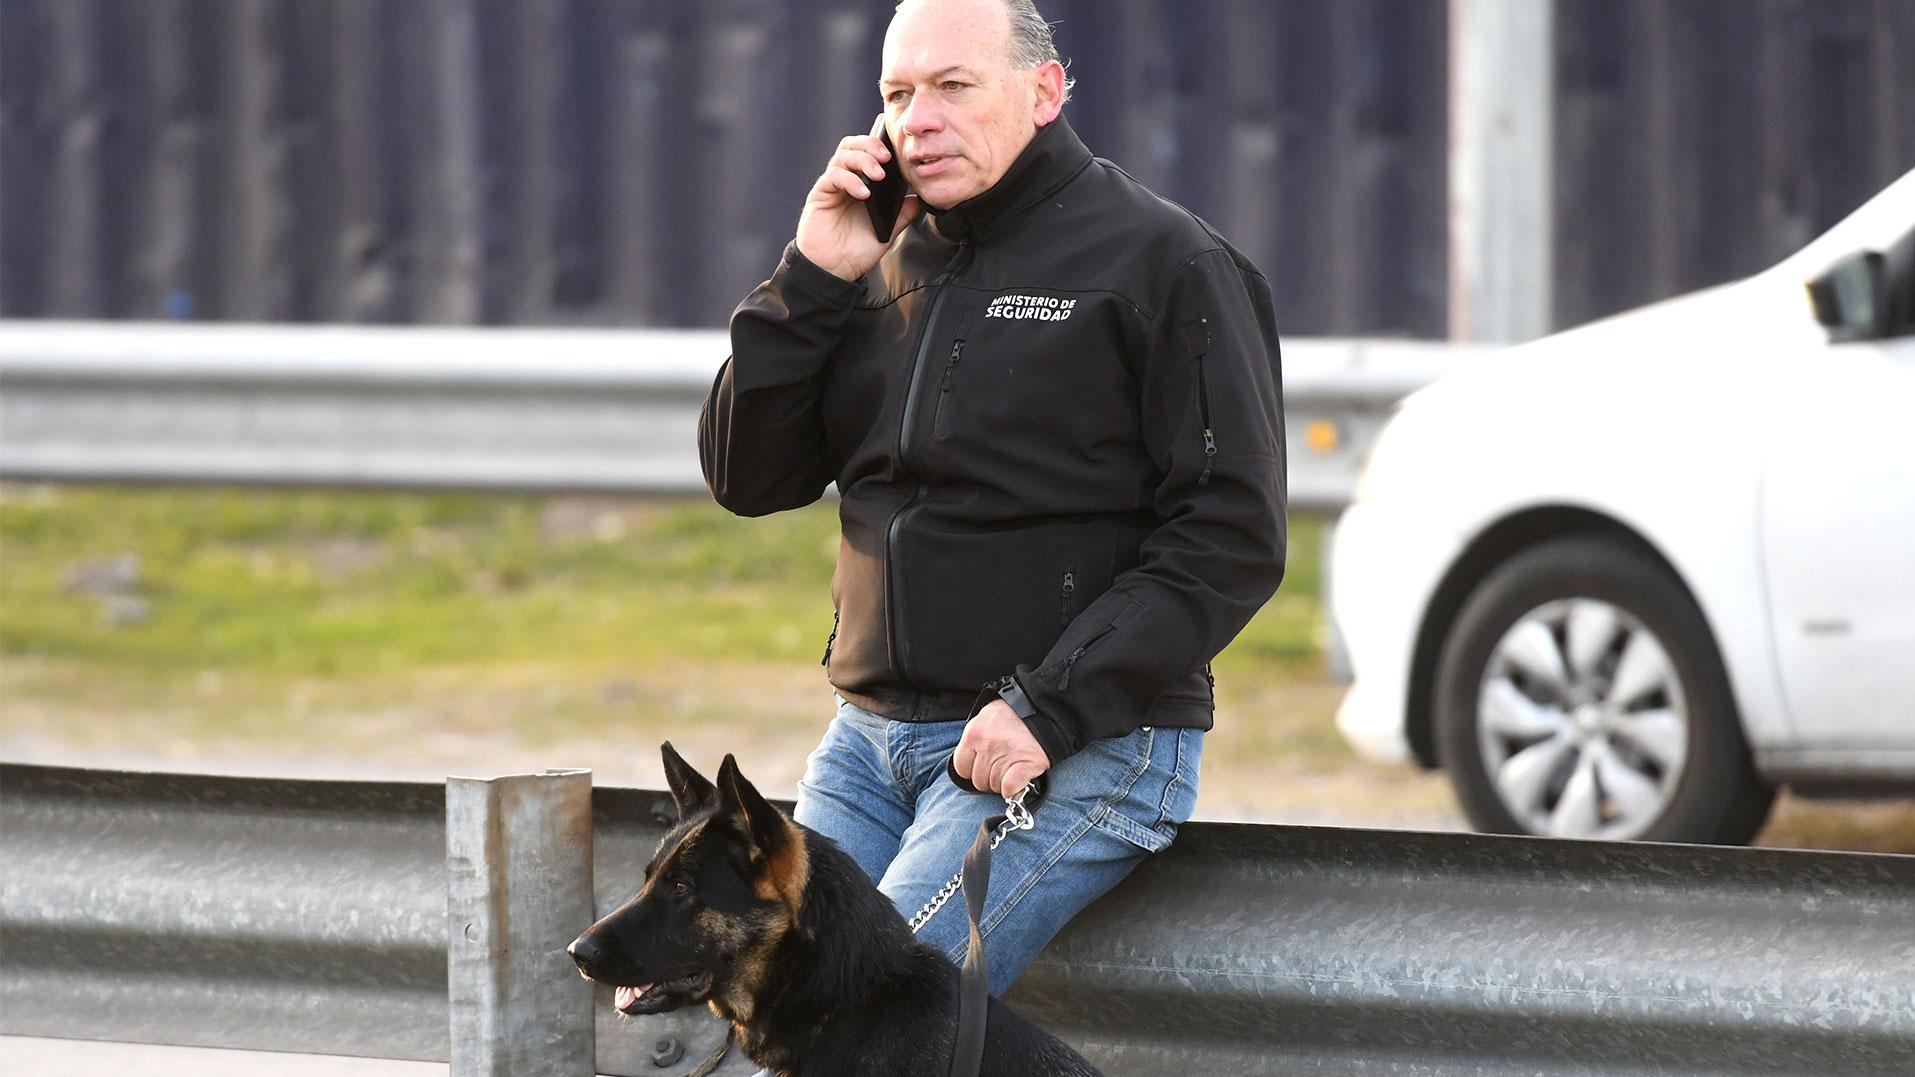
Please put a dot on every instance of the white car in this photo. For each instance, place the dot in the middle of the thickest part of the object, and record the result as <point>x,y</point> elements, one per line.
<point>1624,581</point>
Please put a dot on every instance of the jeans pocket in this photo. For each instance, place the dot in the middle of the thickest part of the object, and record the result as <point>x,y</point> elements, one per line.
<point>1179,801</point>
<point>1160,793</point>
<point>1150,839</point>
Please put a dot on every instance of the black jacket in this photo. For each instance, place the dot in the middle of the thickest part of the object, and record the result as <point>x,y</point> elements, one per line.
<point>1053,415</point>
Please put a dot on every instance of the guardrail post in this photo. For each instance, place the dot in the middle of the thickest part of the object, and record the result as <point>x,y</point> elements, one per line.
<point>518,889</point>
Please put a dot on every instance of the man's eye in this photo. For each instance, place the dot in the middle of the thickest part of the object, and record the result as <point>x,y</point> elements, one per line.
<point>953,87</point>
<point>896,96</point>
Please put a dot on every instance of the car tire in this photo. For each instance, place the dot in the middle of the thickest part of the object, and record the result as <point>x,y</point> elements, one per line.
<point>1580,694</point>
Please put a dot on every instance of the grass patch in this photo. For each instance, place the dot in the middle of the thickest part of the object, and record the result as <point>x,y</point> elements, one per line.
<point>324,584</point>
<point>319,585</point>
<point>271,617</point>
<point>483,634</point>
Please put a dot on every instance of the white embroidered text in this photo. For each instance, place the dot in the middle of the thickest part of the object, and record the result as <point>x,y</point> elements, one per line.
<point>1043,308</point>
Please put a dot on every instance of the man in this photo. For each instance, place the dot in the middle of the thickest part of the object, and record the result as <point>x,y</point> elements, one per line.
<point>1051,407</point>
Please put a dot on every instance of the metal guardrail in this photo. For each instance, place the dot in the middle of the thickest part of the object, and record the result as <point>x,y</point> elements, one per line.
<point>313,916</point>
<point>487,409</point>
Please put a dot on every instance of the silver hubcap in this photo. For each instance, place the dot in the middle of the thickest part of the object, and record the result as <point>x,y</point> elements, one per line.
<point>1582,721</point>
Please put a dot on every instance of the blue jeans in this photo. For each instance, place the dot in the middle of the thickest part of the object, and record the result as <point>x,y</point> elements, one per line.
<point>877,787</point>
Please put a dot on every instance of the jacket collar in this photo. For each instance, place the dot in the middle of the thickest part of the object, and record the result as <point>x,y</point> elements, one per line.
<point>1054,156</point>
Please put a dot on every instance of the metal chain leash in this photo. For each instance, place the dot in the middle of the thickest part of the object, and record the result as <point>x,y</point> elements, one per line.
<point>1016,817</point>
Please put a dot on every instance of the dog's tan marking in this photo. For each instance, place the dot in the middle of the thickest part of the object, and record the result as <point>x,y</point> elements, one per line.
<point>728,932</point>
<point>735,999</point>
<point>786,872</point>
<point>664,861</point>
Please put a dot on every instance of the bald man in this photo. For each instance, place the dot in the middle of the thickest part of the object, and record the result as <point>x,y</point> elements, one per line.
<point>1050,401</point>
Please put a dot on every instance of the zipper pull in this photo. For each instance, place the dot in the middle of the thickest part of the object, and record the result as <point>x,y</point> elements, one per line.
<point>1064,678</point>
<point>830,641</point>
<point>1203,403</point>
<point>950,366</point>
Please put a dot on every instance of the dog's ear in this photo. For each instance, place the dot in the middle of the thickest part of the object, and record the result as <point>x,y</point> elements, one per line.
<point>690,789</point>
<point>740,799</point>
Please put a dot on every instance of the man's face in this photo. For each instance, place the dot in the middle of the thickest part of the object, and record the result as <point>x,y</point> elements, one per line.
<point>958,112</point>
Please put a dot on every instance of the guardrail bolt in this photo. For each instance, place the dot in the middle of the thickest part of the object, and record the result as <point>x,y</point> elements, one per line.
<point>667,1051</point>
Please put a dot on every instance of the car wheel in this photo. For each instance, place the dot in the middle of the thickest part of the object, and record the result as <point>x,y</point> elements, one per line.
<point>1580,694</point>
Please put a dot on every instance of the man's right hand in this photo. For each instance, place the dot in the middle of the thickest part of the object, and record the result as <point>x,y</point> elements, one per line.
<point>834,231</point>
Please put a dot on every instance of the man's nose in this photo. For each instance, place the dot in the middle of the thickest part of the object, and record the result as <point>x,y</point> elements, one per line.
<point>919,117</point>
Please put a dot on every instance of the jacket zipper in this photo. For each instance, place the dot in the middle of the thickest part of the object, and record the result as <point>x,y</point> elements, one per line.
<point>945,384</point>
<point>1064,674</point>
<point>1070,589</point>
<point>830,641</point>
<point>1203,408</point>
<point>893,607</point>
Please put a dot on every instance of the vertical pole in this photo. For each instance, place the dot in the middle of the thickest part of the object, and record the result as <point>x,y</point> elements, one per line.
<point>451,235</point>
<point>1502,147</point>
<point>70,236</point>
<point>518,890</point>
<point>1336,652</point>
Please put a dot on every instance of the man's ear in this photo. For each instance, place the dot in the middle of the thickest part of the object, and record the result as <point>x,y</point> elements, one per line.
<point>1048,84</point>
<point>692,792</point>
<point>738,798</point>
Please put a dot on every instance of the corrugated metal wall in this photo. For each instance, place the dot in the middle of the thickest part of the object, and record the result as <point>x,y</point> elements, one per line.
<point>641,162</point>
<point>1700,140</point>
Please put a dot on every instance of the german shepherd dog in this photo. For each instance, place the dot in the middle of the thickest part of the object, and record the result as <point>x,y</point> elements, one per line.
<point>782,934</point>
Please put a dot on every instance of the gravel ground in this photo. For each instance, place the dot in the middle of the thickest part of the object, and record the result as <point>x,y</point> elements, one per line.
<point>1348,795</point>
<point>25,1055</point>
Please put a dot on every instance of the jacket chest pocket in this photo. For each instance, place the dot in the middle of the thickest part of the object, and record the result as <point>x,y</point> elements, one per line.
<point>1010,381</point>
<point>947,384</point>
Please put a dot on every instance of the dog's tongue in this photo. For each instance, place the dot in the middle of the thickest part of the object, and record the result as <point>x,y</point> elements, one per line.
<point>627,997</point>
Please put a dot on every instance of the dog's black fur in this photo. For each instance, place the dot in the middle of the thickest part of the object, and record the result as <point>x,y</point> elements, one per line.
<point>781,933</point>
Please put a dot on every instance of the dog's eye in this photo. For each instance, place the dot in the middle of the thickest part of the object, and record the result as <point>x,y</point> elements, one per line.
<point>681,888</point>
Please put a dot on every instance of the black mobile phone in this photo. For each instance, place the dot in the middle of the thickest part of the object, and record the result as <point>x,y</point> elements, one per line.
<point>887,194</point>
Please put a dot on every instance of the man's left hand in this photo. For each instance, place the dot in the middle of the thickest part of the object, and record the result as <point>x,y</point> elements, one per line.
<point>997,752</point>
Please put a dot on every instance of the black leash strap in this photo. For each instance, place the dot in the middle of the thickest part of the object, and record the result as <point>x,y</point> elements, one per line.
<point>710,1065</point>
<point>974,980</point>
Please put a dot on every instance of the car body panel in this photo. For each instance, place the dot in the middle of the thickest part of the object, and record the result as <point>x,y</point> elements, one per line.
<point>1838,538</point>
<point>1705,425</point>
